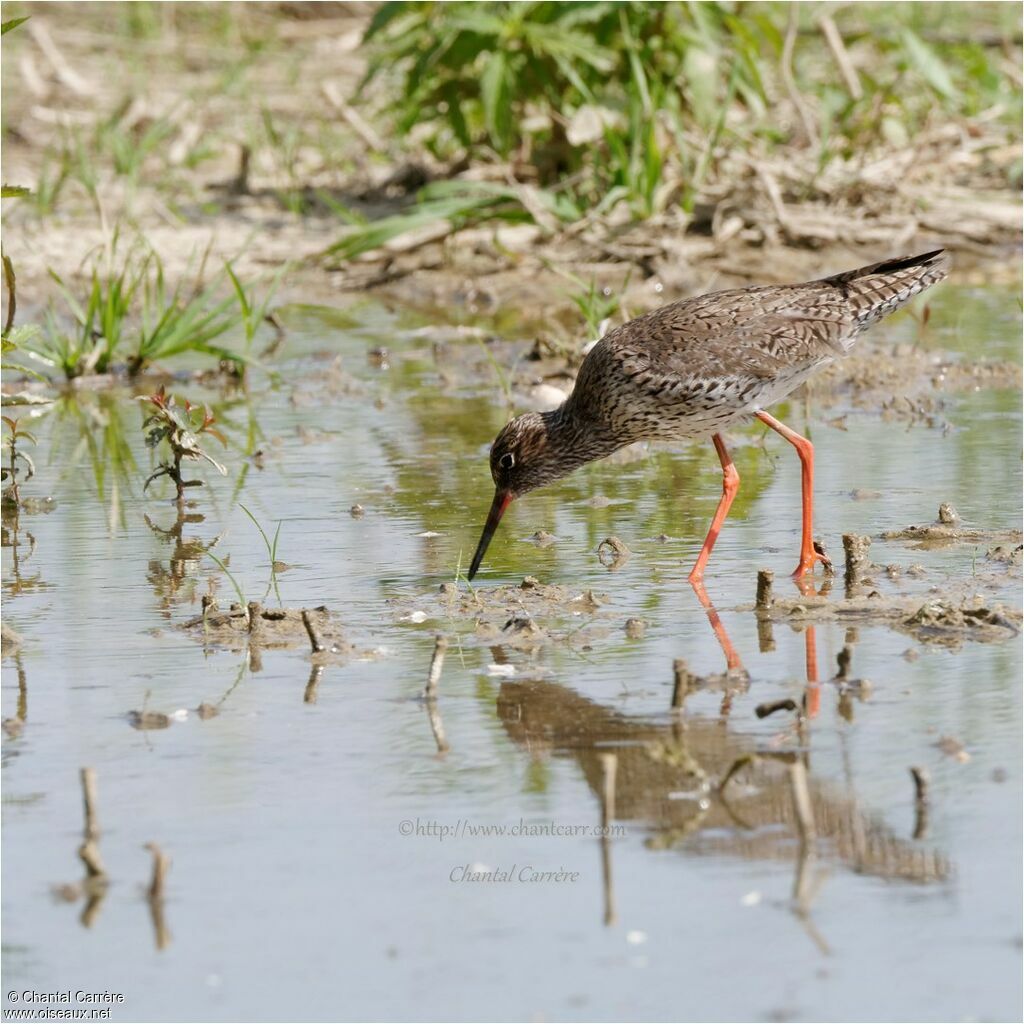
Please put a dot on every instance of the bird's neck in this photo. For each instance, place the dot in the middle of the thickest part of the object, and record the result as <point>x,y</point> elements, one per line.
<point>575,439</point>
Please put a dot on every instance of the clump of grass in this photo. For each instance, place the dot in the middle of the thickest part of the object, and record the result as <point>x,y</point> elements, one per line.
<point>133,316</point>
<point>180,427</point>
<point>174,322</point>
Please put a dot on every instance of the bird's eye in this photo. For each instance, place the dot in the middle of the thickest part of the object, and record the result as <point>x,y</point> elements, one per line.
<point>507,461</point>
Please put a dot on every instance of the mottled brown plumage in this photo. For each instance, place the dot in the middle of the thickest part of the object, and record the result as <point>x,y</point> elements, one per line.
<point>696,367</point>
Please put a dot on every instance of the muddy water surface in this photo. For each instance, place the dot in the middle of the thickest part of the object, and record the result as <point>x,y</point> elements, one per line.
<point>329,863</point>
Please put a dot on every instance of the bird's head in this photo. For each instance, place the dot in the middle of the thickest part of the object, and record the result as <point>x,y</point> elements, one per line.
<point>526,454</point>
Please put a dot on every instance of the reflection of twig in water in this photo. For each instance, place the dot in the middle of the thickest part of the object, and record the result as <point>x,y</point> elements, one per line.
<point>429,695</point>
<point>238,678</point>
<point>805,888</point>
<point>436,665</point>
<point>921,781</point>
<point>155,895</point>
<point>437,726</point>
<point>89,852</point>
<point>315,672</point>
<point>94,885</point>
<point>609,767</point>
<point>805,891</point>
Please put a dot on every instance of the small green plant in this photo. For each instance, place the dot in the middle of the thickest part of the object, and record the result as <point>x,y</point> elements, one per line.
<point>276,566</point>
<point>181,428</point>
<point>18,463</point>
<point>242,603</point>
<point>271,546</point>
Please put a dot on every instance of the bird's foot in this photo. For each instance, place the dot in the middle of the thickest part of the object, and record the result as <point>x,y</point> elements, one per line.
<point>809,558</point>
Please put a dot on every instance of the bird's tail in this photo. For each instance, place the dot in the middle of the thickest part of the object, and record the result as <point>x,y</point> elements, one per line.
<point>879,289</point>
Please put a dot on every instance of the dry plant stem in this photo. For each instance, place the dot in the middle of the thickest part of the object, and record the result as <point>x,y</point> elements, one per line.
<point>786,68</point>
<point>314,636</point>
<point>842,58</point>
<point>436,664</point>
<point>765,578</point>
<point>255,612</point>
<point>353,117</point>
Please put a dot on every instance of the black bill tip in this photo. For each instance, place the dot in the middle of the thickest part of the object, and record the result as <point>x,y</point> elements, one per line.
<point>502,500</point>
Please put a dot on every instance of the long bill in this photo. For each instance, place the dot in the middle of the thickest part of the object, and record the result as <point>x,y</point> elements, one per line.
<point>502,500</point>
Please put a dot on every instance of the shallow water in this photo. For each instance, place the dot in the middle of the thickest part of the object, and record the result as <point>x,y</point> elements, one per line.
<point>293,892</point>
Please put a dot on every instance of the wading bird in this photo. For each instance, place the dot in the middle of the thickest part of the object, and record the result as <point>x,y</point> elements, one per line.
<point>697,367</point>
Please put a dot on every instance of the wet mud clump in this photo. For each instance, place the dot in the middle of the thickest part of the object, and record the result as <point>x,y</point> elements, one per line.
<point>272,629</point>
<point>947,530</point>
<point>523,616</point>
<point>947,621</point>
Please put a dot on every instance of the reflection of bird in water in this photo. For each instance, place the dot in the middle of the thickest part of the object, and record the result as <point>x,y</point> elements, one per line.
<point>697,367</point>
<point>667,776</point>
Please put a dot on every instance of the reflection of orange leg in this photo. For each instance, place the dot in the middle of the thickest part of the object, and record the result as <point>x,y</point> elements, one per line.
<point>730,485</point>
<point>804,448</point>
<point>732,659</point>
<point>813,687</point>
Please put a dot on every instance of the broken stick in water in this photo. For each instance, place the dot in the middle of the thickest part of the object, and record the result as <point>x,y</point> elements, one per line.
<point>681,686</point>
<point>765,579</point>
<point>855,548</point>
<point>314,635</point>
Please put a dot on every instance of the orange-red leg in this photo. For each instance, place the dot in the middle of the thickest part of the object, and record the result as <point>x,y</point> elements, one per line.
<point>730,485</point>
<point>804,448</point>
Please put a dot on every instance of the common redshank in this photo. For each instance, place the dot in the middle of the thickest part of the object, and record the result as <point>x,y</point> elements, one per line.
<point>697,367</point>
